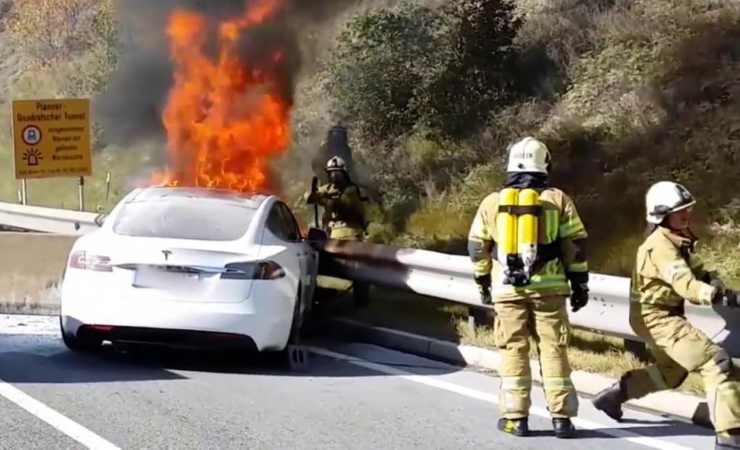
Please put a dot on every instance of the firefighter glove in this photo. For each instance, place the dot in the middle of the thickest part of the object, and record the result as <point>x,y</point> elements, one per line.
<point>726,297</point>
<point>579,298</point>
<point>484,288</point>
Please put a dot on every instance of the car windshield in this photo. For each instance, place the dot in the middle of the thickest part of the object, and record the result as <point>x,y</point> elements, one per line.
<point>183,217</point>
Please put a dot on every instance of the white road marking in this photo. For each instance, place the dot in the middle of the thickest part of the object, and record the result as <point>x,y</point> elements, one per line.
<point>55,419</point>
<point>42,326</point>
<point>433,381</point>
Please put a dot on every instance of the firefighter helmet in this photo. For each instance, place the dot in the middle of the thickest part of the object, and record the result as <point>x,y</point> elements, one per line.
<point>664,198</point>
<point>529,155</point>
<point>336,163</point>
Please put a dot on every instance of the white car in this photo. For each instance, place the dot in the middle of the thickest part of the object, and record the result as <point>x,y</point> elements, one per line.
<point>190,267</point>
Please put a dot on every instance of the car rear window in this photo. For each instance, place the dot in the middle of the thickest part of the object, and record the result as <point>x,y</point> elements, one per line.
<point>185,218</point>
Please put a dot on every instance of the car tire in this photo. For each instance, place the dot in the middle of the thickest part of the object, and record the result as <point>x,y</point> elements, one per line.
<point>296,324</point>
<point>294,356</point>
<point>77,344</point>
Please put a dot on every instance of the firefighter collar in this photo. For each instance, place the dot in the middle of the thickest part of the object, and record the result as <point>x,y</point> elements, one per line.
<point>681,241</point>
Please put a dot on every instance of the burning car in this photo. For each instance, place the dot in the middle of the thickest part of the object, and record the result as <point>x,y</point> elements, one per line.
<point>190,267</point>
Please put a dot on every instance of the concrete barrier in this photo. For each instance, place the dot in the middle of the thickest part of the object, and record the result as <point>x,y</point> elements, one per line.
<point>31,269</point>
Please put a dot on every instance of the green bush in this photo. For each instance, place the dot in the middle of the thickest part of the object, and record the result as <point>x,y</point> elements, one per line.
<point>381,62</point>
<point>396,70</point>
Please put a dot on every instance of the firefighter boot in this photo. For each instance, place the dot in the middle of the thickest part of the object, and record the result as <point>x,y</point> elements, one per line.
<point>727,440</point>
<point>563,428</point>
<point>610,401</point>
<point>517,427</point>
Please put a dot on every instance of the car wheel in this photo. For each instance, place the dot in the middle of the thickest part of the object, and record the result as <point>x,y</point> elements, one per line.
<point>75,343</point>
<point>294,356</point>
<point>296,325</point>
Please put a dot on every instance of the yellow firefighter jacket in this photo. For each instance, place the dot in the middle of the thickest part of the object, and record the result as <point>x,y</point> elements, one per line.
<point>666,273</point>
<point>344,213</point>
<point>559,225</point>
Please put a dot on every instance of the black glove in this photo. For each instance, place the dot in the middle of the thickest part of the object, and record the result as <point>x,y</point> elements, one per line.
<point>579,286</point>
<point>579,298</point>
<point>484,288</point>
<point>726,297</point>
<point>314,185</point>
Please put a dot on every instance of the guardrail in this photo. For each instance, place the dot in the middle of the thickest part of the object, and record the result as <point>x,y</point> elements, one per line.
<point>433,274</point>
<point>48,220</point>
<point>450,277</point>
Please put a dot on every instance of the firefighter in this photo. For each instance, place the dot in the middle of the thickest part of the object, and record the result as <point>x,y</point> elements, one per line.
<point>344,212</point>
<point>532,302</point>
<point>666,274</point>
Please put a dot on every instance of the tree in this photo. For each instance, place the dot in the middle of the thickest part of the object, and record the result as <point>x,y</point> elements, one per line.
<point>381,63</point>
<point>482,75</point>
<point>411,67</point>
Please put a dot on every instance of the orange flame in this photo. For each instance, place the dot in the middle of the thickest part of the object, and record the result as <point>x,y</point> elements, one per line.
<point>225,117</point>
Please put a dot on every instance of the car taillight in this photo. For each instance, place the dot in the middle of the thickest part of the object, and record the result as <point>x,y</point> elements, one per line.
<point>86,261</point>
<point>262,270</point>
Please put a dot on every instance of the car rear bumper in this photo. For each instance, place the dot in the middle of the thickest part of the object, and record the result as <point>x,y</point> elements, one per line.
<point>180,339</point>
<point>264,319</point>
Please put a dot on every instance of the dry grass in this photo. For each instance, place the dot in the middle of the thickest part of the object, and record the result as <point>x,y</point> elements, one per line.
<point>407,312</point>
<point>723,253</point>
<point>648,91</point>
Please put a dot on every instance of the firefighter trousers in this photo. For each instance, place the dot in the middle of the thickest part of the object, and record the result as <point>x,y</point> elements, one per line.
<point>546,321</point>
<point>680,348</point>
<point>360,290</point>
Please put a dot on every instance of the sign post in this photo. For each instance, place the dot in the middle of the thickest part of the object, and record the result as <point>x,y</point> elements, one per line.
<point>82,193</point>
<point>24,192</point>
<point>51,138</point>
<point>107,186</point>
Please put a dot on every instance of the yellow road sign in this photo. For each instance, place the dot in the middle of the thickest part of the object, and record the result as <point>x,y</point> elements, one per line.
<point>51,138</point>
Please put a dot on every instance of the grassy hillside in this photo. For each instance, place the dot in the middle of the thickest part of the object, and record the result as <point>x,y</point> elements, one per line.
<point>625,92</point>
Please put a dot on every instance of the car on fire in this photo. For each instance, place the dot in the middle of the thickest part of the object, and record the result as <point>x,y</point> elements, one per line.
<point>190,267</point>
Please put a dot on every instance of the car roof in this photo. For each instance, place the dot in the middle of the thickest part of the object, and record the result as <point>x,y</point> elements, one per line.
<point>250,200</point>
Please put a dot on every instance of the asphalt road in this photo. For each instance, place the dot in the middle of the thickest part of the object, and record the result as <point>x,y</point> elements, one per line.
<point>355,396</point>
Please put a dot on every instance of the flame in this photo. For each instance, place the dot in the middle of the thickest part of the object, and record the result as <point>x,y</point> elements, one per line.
<point>225,117</point>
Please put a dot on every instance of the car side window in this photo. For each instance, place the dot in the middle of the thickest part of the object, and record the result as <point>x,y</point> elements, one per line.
<point>294,233</point>
<point>276,224</point>
<point>282,223</point>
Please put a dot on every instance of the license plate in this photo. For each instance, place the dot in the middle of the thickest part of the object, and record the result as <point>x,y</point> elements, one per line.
<point>161,279</point>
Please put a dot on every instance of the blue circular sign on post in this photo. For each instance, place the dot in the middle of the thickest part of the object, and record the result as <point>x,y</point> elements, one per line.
<point>31,135</point>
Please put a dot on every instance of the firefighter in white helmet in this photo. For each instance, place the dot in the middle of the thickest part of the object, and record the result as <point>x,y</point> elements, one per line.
<point>343,202</point>
<point>344,210</point>
<point>666,274</point>
<point>528,243</point>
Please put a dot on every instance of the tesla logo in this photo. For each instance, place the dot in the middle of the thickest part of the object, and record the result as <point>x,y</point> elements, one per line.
<point>166,254</point>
